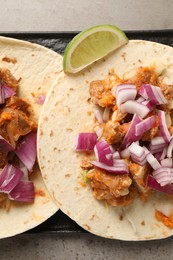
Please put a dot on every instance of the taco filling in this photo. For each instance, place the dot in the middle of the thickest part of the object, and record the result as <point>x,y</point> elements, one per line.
<point>131,139</point>
<point>17,142</point>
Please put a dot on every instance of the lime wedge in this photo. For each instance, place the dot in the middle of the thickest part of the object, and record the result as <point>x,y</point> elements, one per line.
<point>91,45</point>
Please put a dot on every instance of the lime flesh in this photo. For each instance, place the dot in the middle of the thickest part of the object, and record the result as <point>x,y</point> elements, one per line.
<point>91,45</point>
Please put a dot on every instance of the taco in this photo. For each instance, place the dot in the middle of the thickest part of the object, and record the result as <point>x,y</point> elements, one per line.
<point>27,71</point>
<point>104,143</point>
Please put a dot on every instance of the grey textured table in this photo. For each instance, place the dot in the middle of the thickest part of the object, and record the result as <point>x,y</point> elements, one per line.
<point>56,15</point>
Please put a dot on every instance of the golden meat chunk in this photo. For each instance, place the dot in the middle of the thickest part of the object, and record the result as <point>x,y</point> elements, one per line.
<point>113,132</point>
<point>8,79</point>
<point>100,92</point>
<point>114,189</point>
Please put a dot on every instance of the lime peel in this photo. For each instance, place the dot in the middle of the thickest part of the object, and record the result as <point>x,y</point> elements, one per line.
<point>91,45</point>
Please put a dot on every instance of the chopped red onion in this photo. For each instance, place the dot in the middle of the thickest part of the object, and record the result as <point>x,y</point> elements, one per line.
<point>152,183</point>
<point>170,149</point>
<point>158,155</point>
<point>163,126</point>
<point>143,92</point>
<point>140,99</point>
<point>125,92</point>
<point>26,150</point>
<point>149,104</point>
<point>103,153</point>
<point>106,114</point>
<point>130,136</point>
<point>111,169</point>
<point>116,155</point>
<point>124,87</point>
<point>5,145</point>
<point>152,160</point>
<point>5,92</point>
<point>85,142</point>
<point>8,92</point>
<point>24,192</point>
<point>163,176</point>
<point>41,99</point>
<point>9,178</point>
<point>132,107</point>
<point>125,153</point>
<point>152,93</point>
<point>137,153</point>
<point>145,125</point>
<point>98,115</point>
<point>164,152</point>
<point>166,162</point>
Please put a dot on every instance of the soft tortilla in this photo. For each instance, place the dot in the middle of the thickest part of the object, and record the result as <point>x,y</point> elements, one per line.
<point>38,67</point>
<point>66,113</point>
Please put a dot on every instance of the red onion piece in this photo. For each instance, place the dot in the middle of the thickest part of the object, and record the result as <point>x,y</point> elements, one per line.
<point>125,92</point>
<point>166,162</point>
<point>170,149</point>
<point>137,154</point>
<point>86,142</point>
<point>123,87</point>
<point>5,145</point>
<point>111,169</point>
<point>132,107</point>
<point>140,99</point>
<point>152,160</point>
<point>5,92</point>
<point>149,104</point>
<point>130,136</point>
<point>8,92</point>
<point>145,125</point>
<point>41,99</point>
<point>103,153</point>
<point>143,92</point>
<point>164,152</point>
<point>98,115</point>
<point>106,114</point>
<point>152,183</point>
<point>163,176</point>
<point>158,155</point>
<point>163,126</point>
<point>24,192</point>
<point>116,155</point>
<point>26,150</point>
<point>125,153</point>
<point>9,178</point>
<point>152,93</point>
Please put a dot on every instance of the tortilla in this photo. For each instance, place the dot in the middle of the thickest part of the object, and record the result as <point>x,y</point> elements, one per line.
<point>66,113</point>
<point>37,67</point>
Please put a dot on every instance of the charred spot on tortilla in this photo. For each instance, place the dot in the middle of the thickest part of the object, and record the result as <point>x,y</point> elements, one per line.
<point>143,223</point>
<point>121,217</point>
<point>67,175</point>
<point>9,60</point>
<point>124,56</point>
<point>46,118</point>
<point>51,133</point>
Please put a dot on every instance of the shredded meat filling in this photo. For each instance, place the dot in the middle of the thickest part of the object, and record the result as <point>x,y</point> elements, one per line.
<point>100,92</point>
<point>113,132</point>
<point>8,79</point>
<point>114,189</point>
